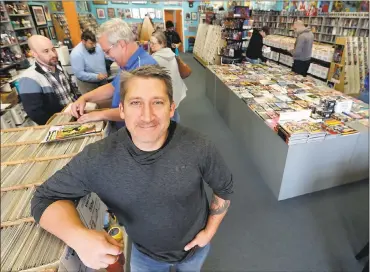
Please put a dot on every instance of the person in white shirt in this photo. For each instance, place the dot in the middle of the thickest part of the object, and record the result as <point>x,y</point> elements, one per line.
<point>167,59</point>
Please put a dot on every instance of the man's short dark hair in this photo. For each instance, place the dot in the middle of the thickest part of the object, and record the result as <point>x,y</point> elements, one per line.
<point>266,29</point>
<point>147,71</point>
<point>169,24</point>
<point>88,35</point>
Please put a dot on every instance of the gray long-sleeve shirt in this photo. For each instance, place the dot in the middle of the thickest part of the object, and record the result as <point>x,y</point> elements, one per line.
<point>303,45</point>
<point>158,196</point>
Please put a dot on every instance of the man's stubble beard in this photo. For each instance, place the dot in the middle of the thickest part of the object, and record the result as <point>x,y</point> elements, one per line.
<point>53,62</point>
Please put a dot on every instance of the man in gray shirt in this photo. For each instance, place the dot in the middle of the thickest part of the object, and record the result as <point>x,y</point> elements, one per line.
<point>150,174</point>
<point>302,51</point>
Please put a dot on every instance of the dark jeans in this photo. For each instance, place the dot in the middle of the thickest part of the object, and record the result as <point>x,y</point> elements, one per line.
<point>301,66</point>
<point>142,263</point>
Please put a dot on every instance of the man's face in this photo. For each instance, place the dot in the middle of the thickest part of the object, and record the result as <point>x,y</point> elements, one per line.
<point>170,29</point>
<point>296,27</point>
<point>147,112</point>
<point>116,52</point>
<point>89,45</point>
<point>263,33</point>
<point>46,53</point>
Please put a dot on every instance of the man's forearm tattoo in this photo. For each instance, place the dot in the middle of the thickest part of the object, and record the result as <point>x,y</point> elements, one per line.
<point>217,208</point>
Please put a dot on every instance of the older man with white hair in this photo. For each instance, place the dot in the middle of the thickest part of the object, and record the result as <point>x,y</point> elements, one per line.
<point>118,43</point>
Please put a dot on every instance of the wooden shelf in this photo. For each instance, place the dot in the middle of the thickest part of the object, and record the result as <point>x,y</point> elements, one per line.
<point>9,45</point>
<point>19,15</point>
<point>23,28</point>
<point>23,43</point>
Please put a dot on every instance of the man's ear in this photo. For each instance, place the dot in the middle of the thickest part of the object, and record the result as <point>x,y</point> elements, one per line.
<point>172,109</point>
<point>121,113</point>
<point>121,43</point>
<point>34,54</point>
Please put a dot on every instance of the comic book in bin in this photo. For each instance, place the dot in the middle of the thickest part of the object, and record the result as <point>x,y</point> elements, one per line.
<point>66,132</point>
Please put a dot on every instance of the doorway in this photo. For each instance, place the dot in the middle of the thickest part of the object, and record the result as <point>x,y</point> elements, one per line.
<point>175,15</point>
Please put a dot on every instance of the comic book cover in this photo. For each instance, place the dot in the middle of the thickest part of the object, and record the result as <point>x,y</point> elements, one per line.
<point>64,132</point>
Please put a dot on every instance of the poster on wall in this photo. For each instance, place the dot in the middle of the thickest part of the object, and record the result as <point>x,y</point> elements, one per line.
<point>302,6</point>
<point>56,6</point>
<point>187,16</point>
<point>52,32</point>
<point>44,32</point>
<point>324,6</point>
<point>38,15</point>
<point>111,13</point>
<point>121,13</point>
<point>242,12</point>
<point>194,16</point>
<point>128,14</point>
<point>293,6</point>
<point>100,13</point>
<point>135,13</point>
<point>364,6</point>
<point>151,13</point>
<point>83,6</point>
<point>47,13</point>
<point>338,6</point>
<point>158,13</point>
<point>286,5</point>
<point>143,12</point>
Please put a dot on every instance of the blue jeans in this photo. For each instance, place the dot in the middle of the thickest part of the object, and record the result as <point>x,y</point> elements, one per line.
<point>143,263</point>
<point>253,61</point>
<point>176,116</point>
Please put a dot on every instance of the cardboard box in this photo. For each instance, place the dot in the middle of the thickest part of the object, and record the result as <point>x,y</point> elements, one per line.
<point>92,211</point>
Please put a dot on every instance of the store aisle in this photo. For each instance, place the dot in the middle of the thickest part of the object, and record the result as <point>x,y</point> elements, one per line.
<point>318,232</point>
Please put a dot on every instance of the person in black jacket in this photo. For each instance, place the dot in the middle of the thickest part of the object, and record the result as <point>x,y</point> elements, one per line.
<point>173,38</point>
<point>254,50</point>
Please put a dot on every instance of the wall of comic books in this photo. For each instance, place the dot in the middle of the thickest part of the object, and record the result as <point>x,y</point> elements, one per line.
<point>349,66</point>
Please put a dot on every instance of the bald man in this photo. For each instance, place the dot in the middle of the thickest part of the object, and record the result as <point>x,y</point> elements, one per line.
<point>302,48</point>
<point>44,88</point>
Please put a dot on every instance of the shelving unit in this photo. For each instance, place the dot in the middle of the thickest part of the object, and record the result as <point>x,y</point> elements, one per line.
<point>326,27</point>
<point>321,54</point>
<point>61,26</point>
<point>349,71</point>
<point>88,21</point>
<point>232,33</point>
<point>17,25</point>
